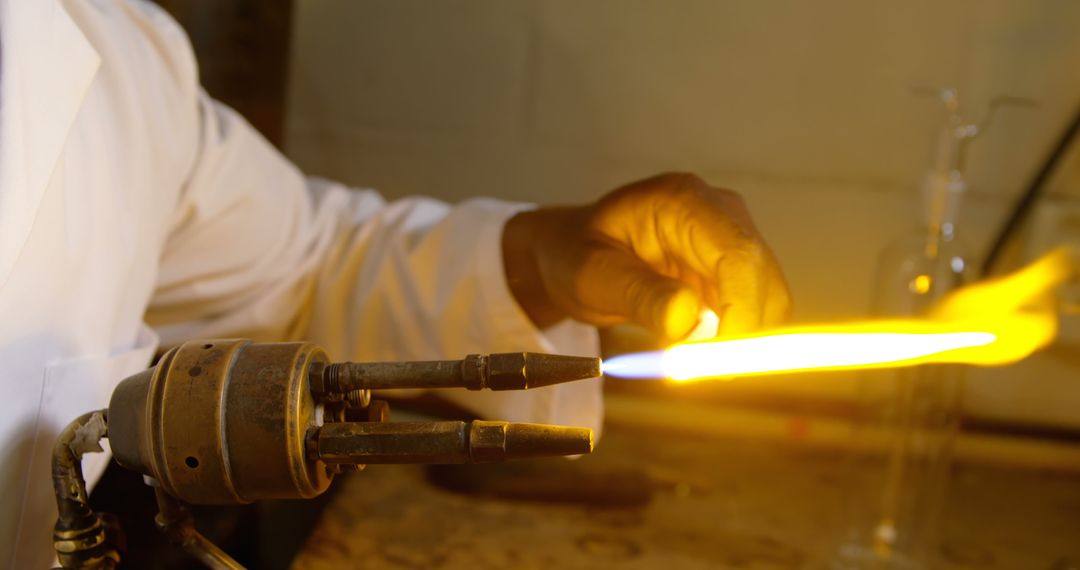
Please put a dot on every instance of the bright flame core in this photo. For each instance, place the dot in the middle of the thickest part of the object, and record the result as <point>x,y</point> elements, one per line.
<point>804,351</point>
<point>988,323</point>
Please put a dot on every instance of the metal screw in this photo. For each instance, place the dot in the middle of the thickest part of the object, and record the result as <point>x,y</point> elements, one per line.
<point>358,398</point>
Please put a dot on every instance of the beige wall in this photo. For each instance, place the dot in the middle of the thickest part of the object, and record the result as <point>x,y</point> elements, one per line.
<point>805,107</point>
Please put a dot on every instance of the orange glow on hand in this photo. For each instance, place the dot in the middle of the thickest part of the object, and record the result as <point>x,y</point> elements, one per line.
<point>988,323</point>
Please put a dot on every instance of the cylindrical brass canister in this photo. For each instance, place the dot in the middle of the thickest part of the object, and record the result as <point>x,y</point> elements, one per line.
<point>204,408</point>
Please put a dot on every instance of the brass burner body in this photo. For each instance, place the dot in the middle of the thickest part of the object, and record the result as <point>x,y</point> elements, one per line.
<point>210,406</point>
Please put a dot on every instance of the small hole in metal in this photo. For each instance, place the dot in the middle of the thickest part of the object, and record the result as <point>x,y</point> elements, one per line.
<point>206,346</point>
<point>191,462</point>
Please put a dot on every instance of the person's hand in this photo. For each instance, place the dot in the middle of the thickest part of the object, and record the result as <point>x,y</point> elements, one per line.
<point>655,253</point>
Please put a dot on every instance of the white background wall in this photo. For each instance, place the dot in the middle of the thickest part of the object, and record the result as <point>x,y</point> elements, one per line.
<point>804,107</point>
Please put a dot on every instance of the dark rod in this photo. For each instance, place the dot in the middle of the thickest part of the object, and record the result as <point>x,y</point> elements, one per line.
<point>175,521</point>
<point>347,376</point>
<point>1027,200</point>
<point>477,441</point>
<point>500,371</point>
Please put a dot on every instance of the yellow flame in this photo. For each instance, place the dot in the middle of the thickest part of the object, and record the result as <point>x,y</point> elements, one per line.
<point>994,322</point>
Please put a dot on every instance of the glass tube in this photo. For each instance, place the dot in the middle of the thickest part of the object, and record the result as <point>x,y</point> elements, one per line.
<point>908,421</point>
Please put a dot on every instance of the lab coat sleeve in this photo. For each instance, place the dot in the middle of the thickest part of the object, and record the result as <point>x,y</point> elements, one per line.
<point>257,250</point>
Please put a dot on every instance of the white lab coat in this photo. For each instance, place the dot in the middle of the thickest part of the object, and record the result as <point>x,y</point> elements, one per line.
<point>136,212</point>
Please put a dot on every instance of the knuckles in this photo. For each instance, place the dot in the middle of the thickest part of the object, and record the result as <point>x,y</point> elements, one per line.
<point>692,190</point>
<point>683,188</point>
<point>750,248</point>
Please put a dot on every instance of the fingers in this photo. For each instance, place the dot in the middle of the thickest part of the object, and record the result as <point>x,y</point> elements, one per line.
<point>753,293</point>
<point>734,272</point>
<point>777,309</point>
<point>740,280</point>
<point>709,235</point>
<point>687,236</point>
<point>745,295</point>
<point>616,286</point>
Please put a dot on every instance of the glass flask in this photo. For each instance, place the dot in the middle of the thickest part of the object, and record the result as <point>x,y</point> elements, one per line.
<point>908,419</point>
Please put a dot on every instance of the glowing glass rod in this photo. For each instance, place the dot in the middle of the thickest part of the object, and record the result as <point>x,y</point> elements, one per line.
<point>988,323</point>
<point>788,353</point>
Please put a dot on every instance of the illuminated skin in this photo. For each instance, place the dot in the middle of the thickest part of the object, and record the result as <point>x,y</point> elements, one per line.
<point>654,252</point>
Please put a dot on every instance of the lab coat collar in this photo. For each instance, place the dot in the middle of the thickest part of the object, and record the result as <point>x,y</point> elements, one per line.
<point>46,67</point>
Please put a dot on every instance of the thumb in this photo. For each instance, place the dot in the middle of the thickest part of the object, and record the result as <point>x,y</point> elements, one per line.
<point>614,284</point>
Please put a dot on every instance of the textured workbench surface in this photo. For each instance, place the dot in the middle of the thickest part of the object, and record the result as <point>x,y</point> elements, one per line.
<point>712,503</point>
